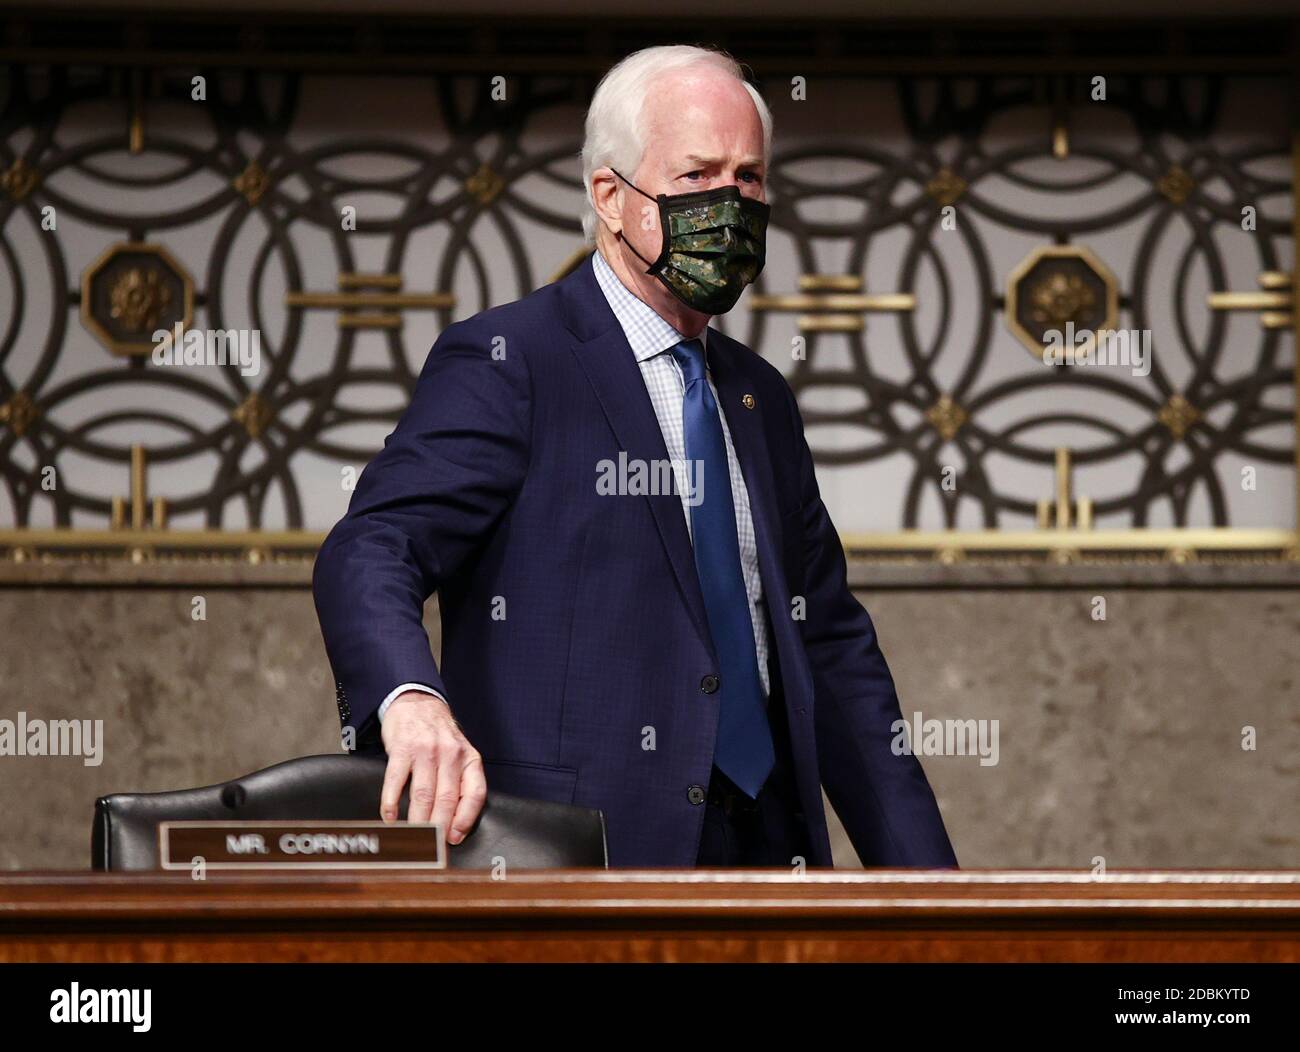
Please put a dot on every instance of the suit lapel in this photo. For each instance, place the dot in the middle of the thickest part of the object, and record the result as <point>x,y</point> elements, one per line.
<point>607,359</point>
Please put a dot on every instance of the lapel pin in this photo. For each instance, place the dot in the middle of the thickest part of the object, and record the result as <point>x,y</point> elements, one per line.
<point>748,401</point>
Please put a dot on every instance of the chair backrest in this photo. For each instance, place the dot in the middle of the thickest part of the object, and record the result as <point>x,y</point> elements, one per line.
<point>527,834</point>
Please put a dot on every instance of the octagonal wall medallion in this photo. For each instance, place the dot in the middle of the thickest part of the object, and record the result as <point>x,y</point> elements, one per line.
<point>1059,286</point>
<point>131,291</point>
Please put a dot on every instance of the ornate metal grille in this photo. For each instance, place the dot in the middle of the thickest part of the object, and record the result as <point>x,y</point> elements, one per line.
<point>904,363</point>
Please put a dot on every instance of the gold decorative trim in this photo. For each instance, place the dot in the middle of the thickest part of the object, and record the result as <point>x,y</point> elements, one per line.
<point>946,186</point>
<point>830,283</point>
<point>946,416</point>
<point>377,320</point>
<point>1178,415</point>
<point>1276,304</point>
<point>828,323</point>
<point>19,413</point>
<point>1060,141</point>
<point>19,179</point>
<point>1077,545</point>
<point>1250,300</point>
<point>139,503</point>
<point>938,546</point>
<point>254,413</point>
<point>360,307</point>
<point>485,184</point>
<point>832,302</point>
<point>391,300</point>
<point>135,133</point>
<point>356,280</point>
<point>252,182</point>
<point>836,301</point>
<point>1019,272</point>
<point>1176,185</point>
<point>1066,512</point>
<point>149,545</point>
<point>133,348</point>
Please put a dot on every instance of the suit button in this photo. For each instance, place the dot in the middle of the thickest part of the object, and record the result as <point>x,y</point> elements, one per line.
<point>696,794</point>
<point>709,684</point>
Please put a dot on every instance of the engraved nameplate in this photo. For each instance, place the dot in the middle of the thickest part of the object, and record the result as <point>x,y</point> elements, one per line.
<point>302,845</point>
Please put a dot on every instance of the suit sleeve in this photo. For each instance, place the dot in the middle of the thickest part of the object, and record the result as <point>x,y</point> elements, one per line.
<point>883,799</point>
<point>444,478</point>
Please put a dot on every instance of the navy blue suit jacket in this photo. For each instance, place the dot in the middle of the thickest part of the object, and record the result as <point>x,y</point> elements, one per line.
<point>486,493</point>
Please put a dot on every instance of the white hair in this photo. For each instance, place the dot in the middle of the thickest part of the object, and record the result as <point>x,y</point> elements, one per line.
<point>615,134</point>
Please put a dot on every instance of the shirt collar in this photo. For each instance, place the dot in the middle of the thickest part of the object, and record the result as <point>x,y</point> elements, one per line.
<point>647,332</point>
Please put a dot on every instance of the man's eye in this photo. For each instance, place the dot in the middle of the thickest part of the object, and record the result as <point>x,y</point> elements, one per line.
<point>751,177</point>
<point>692,175</point>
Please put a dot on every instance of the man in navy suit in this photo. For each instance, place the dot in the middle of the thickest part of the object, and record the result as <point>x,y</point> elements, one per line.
<point>644,603</point>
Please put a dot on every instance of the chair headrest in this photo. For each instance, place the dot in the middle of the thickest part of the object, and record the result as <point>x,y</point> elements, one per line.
<point>526,834</point>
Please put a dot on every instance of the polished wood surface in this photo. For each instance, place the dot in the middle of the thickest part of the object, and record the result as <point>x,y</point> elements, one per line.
<point>654,915</point>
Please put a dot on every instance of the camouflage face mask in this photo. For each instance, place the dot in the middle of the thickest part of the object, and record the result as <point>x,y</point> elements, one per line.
<point>714,244</point>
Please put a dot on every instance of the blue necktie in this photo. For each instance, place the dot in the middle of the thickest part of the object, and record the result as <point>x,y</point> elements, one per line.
<point>744,752</point>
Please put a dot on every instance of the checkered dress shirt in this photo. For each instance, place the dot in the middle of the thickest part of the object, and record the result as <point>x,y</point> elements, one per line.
<point>652,339</point>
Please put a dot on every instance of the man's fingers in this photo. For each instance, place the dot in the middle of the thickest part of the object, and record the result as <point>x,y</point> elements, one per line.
<point>447,784</point>
<point>424,777</point>
<point>448,793</point>
<point>395,774</point>
<point>473,793</point>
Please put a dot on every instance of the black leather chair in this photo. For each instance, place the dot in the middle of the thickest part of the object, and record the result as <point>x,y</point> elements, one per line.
<point>527,834</point>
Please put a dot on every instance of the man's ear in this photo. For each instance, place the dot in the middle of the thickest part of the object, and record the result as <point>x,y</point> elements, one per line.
<point>607,199</point>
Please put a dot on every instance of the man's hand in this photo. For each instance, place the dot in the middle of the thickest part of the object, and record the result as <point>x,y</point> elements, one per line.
<point>424,744</point>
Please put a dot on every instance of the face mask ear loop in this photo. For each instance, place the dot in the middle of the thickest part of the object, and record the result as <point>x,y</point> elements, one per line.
<point>649,265</point>
<point>633,185</point>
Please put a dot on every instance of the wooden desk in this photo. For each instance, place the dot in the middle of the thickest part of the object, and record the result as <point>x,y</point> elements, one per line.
<point>653,916</point>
